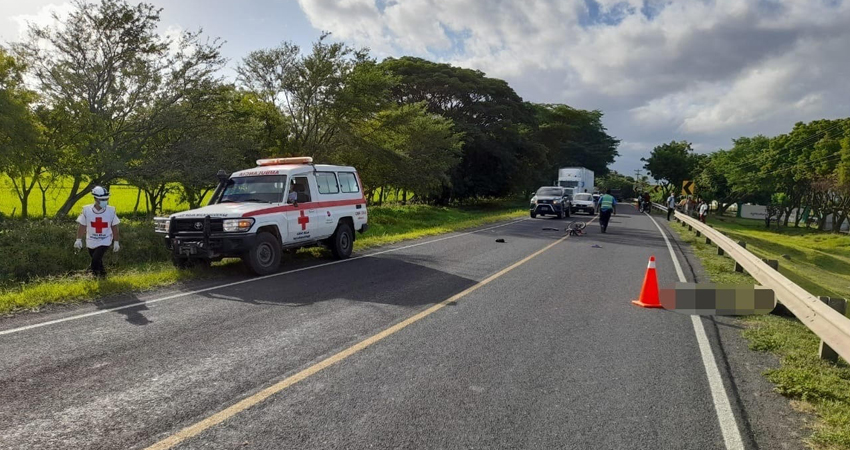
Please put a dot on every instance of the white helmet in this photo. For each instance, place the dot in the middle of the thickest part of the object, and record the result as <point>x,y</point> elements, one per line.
<point>100,193</point>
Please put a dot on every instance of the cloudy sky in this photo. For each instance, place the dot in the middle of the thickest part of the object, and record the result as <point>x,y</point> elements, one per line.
<point>701,70</point>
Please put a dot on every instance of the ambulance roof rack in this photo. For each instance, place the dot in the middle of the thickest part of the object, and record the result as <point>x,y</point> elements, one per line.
<point>279,161</point>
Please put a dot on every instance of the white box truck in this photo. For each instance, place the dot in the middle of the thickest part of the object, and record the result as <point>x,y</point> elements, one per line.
<point>578,179</point>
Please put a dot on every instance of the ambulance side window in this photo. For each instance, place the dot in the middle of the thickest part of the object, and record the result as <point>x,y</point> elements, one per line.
<point>299,190</point>
<point>348,182</point>
<point>327,183</point>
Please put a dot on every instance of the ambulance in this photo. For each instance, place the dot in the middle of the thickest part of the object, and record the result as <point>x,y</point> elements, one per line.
<point>256,214</point>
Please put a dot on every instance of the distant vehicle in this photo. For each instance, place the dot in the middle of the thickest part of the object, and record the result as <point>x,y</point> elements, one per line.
<point>618,194</point>
<point>583,202</point>
<point>577,179</point>
<point>254,214</point>
<point>551,200</point>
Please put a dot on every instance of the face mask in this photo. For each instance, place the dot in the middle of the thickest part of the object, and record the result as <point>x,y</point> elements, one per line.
<point>102,203</point>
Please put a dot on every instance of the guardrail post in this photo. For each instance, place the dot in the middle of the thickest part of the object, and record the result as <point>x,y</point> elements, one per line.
<point>774,264</point>
<point>738,267</point>
<point>698,233</point>
<point>690,227</point>
<point>720,251</point>
<point>708,241</point>
<point>840,305</point>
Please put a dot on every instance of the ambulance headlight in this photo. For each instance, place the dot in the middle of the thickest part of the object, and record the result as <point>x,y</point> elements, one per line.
<point>161,224</point>
<point>233,225</point>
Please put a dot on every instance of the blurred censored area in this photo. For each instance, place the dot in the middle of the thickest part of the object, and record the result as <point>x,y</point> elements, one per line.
<point>718,299</point>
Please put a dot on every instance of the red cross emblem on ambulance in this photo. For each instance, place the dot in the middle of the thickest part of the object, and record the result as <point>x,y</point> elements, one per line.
<point>99,225</point>
<point>303,220</point>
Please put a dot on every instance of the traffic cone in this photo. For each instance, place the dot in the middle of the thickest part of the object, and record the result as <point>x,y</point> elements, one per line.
<point>649,291</point>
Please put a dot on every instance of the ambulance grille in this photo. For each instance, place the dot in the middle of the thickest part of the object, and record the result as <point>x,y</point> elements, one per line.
<point>190,226</point>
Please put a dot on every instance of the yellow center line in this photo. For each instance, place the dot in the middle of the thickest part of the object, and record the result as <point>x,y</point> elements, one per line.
<point>259,397</point>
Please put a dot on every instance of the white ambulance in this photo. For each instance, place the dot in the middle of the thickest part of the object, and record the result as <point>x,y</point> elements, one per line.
<point>255,214</point>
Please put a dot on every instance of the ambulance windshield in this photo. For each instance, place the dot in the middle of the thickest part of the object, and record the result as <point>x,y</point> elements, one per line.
<point>261,189</point>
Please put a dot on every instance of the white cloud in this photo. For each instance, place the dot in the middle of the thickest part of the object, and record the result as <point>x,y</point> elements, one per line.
<point>17,19</point>
<point>706,71</point>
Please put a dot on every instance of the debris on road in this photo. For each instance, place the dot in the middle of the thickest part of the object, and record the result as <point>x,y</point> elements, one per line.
<point>550,229</point>
<point>596,246</point>
<point>500,240</point>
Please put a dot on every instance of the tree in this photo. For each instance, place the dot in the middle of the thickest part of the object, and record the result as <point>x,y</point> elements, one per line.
<point>712,180</point>
<point>487,111</point>
<point>575,137</point>
<point>111,75</point>
<point>405,147</point>
<point>615,180</point>
<point>671,164</point>
<point>211,129</point>
<point>322,94</point>
<point>23,156</point>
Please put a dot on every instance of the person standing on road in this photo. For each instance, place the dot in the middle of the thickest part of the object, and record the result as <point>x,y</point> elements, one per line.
<point>607,206</point>
<point>703,210</point>
<point>98,223</point>
<point>671,205</point>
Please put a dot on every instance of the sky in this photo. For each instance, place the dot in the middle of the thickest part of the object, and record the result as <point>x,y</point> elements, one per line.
<point>697,70</point>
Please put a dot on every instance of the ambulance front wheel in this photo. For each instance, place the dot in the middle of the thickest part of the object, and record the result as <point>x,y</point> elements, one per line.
<point>264,256</point>
<point>342,242</point>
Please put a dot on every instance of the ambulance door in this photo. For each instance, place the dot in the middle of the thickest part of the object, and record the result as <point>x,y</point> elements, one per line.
<point>302,220</point>
<point>328,214</point>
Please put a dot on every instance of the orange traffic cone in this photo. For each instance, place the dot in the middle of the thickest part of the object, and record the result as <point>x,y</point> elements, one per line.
<point>649,292</point>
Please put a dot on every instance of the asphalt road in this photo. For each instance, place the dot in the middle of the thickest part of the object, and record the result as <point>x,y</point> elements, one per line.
<point>549,353</point>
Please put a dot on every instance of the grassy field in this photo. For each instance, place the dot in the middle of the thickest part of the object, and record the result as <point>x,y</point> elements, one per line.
<point>145,265</point>
<point>815,386</point>
<point>819,262</point>
<point>122,197</point>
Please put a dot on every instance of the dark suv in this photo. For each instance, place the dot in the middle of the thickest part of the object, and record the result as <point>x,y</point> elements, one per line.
<point>551,200</point>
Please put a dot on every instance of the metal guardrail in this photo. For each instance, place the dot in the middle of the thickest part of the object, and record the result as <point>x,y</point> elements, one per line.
<point>828,324</point>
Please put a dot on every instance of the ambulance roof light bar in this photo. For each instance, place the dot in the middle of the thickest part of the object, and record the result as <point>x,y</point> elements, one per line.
<point>279,161</point>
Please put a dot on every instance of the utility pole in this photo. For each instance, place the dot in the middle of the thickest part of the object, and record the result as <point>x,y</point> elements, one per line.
<point>637,181</point>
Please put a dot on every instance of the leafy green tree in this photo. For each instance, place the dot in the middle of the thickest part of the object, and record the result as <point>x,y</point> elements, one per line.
<point>575,137</point>
<point>671,164</point>
<point>405,147</point>
<point>486,110</point>
<point>111,75</point>
<point>323,94</point>
<point>23,155</point>
<point>616,180</point>
<point>210,130</point>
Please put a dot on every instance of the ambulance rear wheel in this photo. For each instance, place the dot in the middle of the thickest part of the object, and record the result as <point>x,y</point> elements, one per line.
<point>342,242</point>
<point>264,257</point>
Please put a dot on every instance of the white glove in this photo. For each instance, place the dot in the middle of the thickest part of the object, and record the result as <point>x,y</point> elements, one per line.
<point>78,244</point>
<point>116,246</point>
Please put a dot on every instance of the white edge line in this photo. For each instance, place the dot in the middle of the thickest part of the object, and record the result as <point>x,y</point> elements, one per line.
<point>728,425</point>
<point>250,280</point>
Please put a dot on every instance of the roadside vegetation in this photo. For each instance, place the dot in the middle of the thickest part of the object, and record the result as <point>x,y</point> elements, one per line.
<point>814,386</point>
<point>42,268</point>
<point>819,262</point>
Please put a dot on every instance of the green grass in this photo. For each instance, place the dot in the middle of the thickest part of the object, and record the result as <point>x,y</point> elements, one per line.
<point>388,224</point>
<point>122,197</point>
<point>818,387</point>
<point>819,262</point>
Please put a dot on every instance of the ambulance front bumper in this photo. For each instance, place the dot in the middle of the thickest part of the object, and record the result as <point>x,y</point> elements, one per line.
<point>216,246</point>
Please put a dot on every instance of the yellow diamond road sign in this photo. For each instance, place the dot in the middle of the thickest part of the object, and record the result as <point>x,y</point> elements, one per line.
<point>687,187</point>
